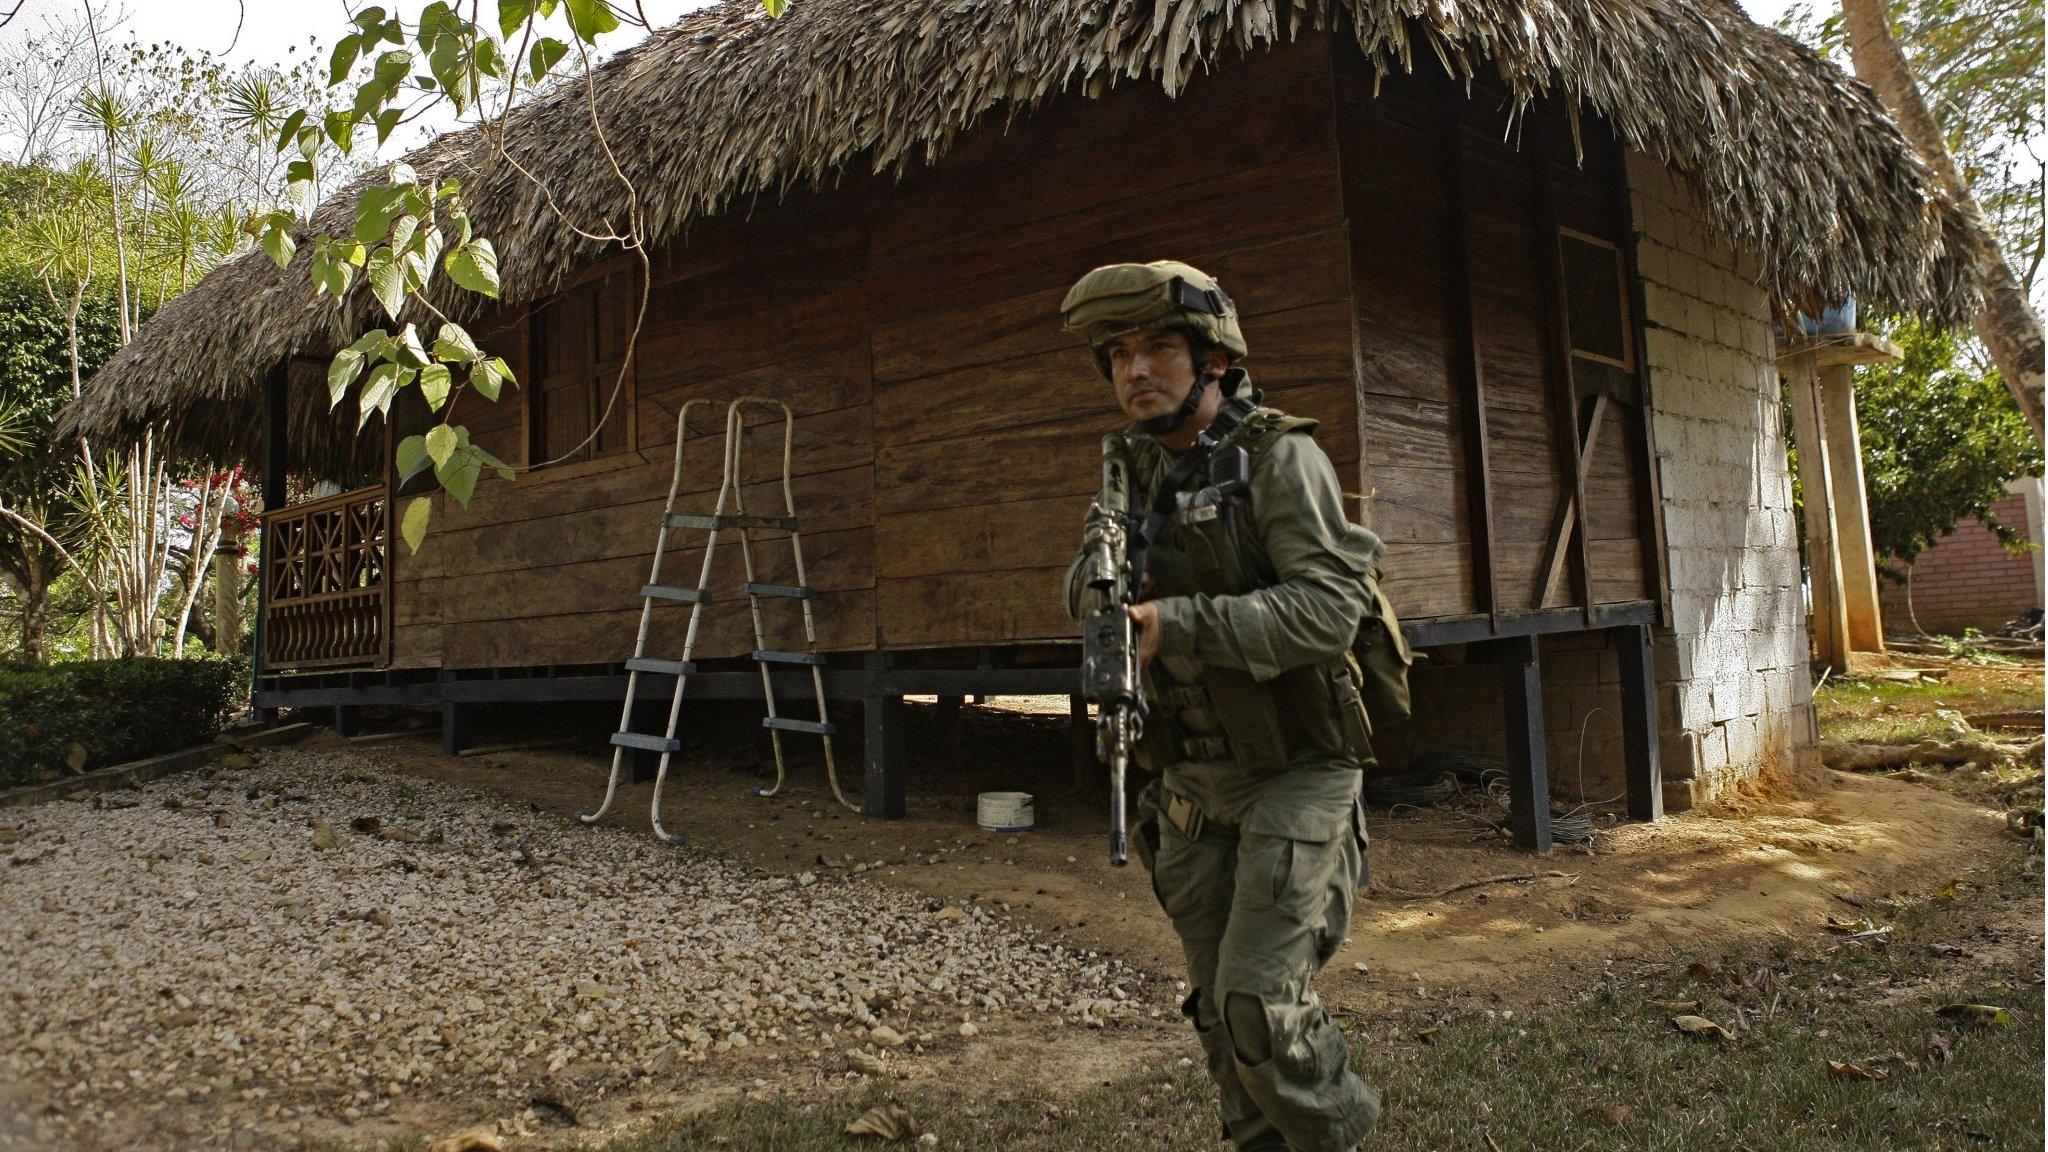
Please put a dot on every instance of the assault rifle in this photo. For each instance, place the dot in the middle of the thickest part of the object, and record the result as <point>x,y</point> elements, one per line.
<point>1113,569</point>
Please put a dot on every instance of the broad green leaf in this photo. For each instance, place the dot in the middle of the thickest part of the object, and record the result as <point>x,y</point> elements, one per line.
<point>511,15</point>
<point>474,266</point>
<point>348,364</point>
<point>345,51</point>
<point>503,469</point>
<point>402,231</point>
<point>402,175</point>
<point>453,344</point>
<point>590,19</point>
<point>369,18</point>
<point>440,444</point>
<point>411,457</point>
<point>414,526</point>
<point>369,343</point>
<point>435,384</point>
<point>774,7</point>
<point>407,350</point>
<point>429,253</point>
<point>543,56</point>
<point>488,377</point>
<point>489,60</point>
<point>386,121</point>
<point>279,245</point>
<point>379,206</point>
<point>377,392</point>
<point>387,281</point>
<point>298,171</point>
<point>286,134</point>
<point>459,474</point>
<point>340,128</point>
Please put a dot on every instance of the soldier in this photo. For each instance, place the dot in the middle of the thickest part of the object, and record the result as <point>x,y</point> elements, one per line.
<point>1252,826</point>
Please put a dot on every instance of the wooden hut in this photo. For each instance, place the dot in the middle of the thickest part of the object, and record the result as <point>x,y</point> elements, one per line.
<point>1520,259</point>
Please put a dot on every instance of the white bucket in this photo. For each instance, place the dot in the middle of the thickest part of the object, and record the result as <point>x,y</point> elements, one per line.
<point>1003,811</point>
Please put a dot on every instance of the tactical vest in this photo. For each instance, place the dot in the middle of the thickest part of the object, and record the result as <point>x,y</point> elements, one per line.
<point>1225,714</point>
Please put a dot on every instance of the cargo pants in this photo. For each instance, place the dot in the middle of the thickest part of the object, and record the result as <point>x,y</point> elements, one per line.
<point>1260,905</point>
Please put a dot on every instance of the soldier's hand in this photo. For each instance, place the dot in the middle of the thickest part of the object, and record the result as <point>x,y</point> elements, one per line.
<point>1145,620</point>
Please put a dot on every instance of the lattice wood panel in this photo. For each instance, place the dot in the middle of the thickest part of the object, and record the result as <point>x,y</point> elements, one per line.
<point>326,591</point>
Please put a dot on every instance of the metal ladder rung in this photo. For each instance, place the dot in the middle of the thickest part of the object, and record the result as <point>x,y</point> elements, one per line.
<point>681,595</point>
<point>684,520</point>
<point>784,723</point>
<point>646,743</point>
<point>789,591</point>
<point>810,658</point>
<point>665,667</point>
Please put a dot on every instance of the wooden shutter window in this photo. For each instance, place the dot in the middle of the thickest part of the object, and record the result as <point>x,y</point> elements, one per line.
<point>580,341</point>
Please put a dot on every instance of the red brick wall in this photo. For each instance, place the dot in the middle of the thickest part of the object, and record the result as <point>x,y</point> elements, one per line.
<point>1967,580</point>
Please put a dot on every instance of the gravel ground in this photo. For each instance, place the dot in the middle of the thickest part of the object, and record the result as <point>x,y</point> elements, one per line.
<point>313,936</point>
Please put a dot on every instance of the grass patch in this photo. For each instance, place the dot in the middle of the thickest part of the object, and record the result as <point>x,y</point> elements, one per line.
<point>1602,1068</point>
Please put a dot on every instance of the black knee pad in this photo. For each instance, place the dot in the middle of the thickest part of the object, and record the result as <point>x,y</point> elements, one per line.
<point>1244,1016</point>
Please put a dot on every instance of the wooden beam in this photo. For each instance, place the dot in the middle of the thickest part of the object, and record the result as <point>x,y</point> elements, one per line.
<point>1478,468</point>
<point>1573,449</point>
<point>884,750</point>
<point>1823,552</point>
<point>1570,512</point>
<point>1521,692</point>
<point>1639,722</point>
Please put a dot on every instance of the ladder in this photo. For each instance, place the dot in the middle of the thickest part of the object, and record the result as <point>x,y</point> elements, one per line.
<point>731,494</point>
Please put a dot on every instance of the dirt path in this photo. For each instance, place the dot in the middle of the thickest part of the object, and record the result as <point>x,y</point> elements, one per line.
<point>1776,862</point>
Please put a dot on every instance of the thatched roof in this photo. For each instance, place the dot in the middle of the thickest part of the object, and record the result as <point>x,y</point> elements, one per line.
<point>1796,162</point>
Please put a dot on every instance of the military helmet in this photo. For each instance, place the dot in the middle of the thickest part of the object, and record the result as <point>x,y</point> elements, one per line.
<point>1119,298</point>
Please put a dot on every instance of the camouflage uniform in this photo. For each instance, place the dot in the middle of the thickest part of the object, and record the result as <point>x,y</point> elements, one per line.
<point>1253,829</point>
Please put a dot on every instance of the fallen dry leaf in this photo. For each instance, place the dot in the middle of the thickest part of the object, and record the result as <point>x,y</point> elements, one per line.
<point>1939,1047</point>
<point>1700,1026</point>
<point>1677,1005</point>
<point>891,1121</point>
<point>474,1140</point>
<point>1703,973</point>
<point>1977,1015</point>
<point>1842,1071</point>
<point>1613,1115</point>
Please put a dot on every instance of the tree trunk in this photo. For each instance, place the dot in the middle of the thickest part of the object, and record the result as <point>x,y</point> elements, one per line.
<point>2007,325</point>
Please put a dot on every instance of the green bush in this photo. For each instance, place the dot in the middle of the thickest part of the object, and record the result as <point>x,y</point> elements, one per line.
<point>116,710</point>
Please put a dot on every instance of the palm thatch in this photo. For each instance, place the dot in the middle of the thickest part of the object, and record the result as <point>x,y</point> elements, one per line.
<point>1796,162</point>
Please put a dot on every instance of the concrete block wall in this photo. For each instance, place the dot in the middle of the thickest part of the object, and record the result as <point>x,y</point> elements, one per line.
<point>1735,693</point>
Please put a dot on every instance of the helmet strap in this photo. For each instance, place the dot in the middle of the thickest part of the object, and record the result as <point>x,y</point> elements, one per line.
<point>1170,423</point>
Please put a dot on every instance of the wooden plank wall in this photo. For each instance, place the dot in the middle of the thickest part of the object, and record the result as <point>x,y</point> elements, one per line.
<point>947,428</point>
<point>1414,378</point>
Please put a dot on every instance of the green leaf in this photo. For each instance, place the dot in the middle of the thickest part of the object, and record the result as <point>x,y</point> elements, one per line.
<point>503,469</point>
<point>543,56</point>
<point>590,19</point>
<point>403,176</point>
<point>435,384</point>
<point>340,128</point>
<point>371,343</point>
<point>286,134</point>
<point>453,344</point>
<point>298,172</point>
<point>402,232</point>
<point>348,364</point>
<point>387,281</point>
<point>346,50</point>
<point>377,392</point>
<point>375,211</point>
<point>774,7</point>
<point>386,121</point>
<point>278,243</point>
<point>474,266</point>
<point>407,349</point>
<point>440,444</point>
<point>414,526</point>
<point>411,457</point>
<point>512,14</point>
<point>459,474</point>
<point>488,376</point>
<point>369,18</point>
